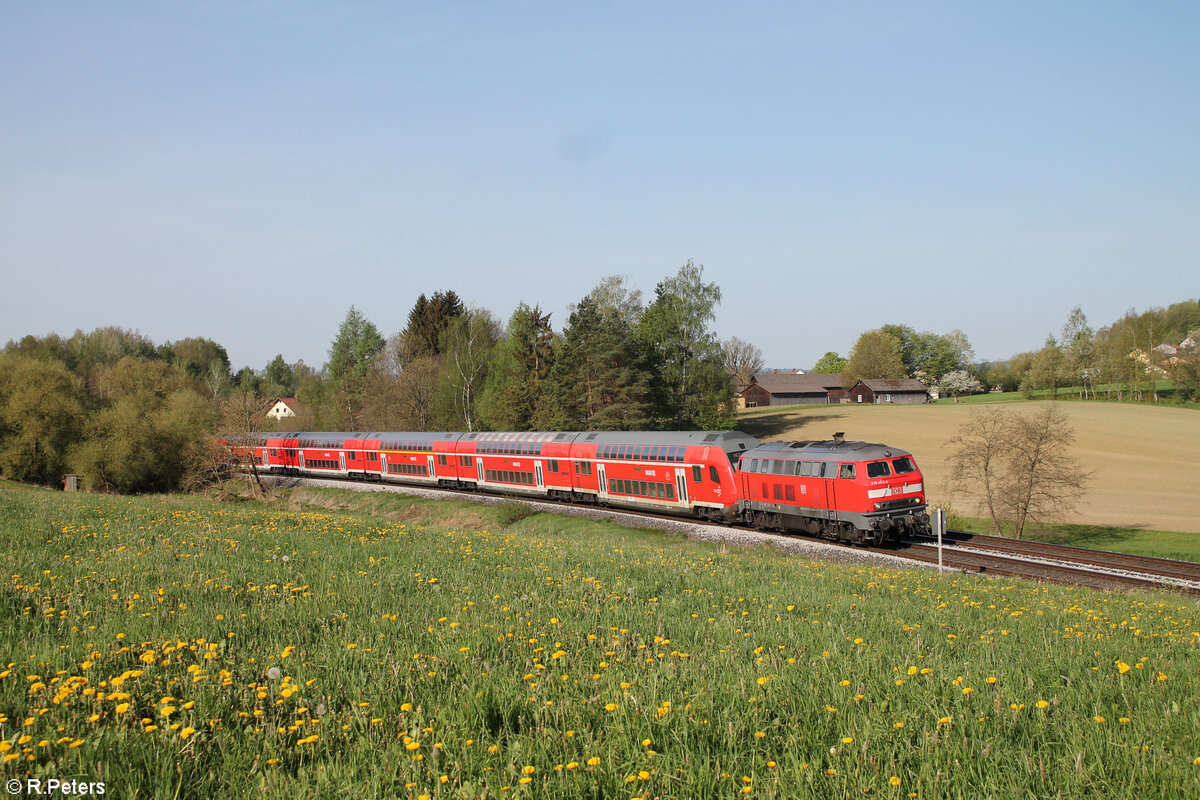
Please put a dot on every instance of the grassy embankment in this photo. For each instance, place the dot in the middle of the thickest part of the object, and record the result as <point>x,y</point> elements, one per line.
<point>1145,464</point>
<point>174,647</point>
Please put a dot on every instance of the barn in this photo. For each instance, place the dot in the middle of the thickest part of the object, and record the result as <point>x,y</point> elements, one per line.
<point>905,391</point>
<point>792,389</point>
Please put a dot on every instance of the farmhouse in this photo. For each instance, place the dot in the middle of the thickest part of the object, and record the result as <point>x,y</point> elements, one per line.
<point>282,407</point>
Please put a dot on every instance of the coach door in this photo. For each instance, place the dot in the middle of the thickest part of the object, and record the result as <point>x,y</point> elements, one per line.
<point>302,460</point>
<point>681,484</point>
<point>382,464</point>
<point>479,468</point>
<point>601,484</point>
<point>266,461</point>
<point>537,470</point>
<point>342,461</point>
<point>432,471</point>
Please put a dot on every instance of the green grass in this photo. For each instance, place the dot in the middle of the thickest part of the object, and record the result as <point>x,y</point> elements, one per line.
<point>373,646</point>
<point>1168,394</point>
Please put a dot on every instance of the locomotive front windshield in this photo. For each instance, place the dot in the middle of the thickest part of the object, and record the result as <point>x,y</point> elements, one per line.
<point>878,469</point>
<point>904,465</point>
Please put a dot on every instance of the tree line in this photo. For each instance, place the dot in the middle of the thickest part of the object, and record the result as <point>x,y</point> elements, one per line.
<point>1125,360</point>
<point>132,416</point>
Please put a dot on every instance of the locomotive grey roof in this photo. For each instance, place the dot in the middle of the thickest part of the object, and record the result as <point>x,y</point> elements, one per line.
<point>827,450</point>
<point>729,441</point>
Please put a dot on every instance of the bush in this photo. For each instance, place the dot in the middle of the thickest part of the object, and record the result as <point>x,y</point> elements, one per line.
<point>513,511</point>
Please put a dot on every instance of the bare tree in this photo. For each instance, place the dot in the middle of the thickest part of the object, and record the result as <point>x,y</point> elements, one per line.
<point>242,428</point>
<point>742,359</point>
<point>1018,468</point>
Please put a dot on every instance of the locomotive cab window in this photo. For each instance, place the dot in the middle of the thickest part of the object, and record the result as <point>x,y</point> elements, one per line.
<point>903,466</point>
<point>847,471</point>
<point>878,469</point>
<point>696,474</point>
<point>712,475</point>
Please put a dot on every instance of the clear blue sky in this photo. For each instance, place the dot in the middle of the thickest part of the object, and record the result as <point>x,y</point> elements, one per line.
<point>245,171</point>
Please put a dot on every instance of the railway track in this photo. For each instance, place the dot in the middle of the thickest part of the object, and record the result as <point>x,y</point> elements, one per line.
<point>1084,568</point>
<point>962,551</point>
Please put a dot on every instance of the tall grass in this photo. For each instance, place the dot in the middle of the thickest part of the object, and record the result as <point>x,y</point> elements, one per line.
<point>174,647</point>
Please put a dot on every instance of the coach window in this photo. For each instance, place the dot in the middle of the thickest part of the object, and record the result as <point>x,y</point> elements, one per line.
<point>753,465</point>
<point>847,471</point>
<point>696,474</point>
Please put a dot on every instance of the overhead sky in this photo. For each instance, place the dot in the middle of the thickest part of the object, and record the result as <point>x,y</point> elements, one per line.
<point>246,171</point>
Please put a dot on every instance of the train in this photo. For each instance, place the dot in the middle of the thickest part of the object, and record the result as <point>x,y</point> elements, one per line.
<point>848,491</point>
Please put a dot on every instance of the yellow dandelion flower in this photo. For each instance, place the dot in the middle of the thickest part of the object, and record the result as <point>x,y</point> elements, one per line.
<point>1042,704</point>
<point>894,780</point>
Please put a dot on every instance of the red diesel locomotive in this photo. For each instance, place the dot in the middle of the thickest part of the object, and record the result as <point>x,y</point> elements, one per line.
<point>846,491</point>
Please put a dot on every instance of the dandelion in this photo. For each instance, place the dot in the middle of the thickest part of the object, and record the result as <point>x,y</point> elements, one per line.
<point>594,761</point>
<point>1042,704</point>
<point>1122,667</point>
<point>847,740</point>
<point>273,674</point>
<point>894,780</point>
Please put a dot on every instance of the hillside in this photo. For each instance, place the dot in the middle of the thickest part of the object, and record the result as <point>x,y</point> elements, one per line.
<point>1145,460</point>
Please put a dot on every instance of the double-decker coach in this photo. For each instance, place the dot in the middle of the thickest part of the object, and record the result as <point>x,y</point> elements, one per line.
<point>685,471</point>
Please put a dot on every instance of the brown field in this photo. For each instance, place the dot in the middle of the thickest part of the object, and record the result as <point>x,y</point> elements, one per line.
<point>1145,460</point>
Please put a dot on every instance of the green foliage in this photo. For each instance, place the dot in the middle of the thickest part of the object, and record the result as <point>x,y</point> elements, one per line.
<point>600,379</point>
<point>357,343</point>
<point>427,321</point>
<point>691,387</point>
<point>876,354</point>
<point>830,364</point>
<point>466,348</point>
<point>510,512</point>
<point>41,409</point>
<point>142,437</point>
<point>515,398</point>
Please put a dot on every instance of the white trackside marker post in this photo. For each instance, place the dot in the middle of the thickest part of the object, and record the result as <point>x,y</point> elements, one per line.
<point>939,526</point>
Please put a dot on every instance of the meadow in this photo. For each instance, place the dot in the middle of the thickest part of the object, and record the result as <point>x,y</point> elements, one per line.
<point>1144,460</point>
<point>335,644</point>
